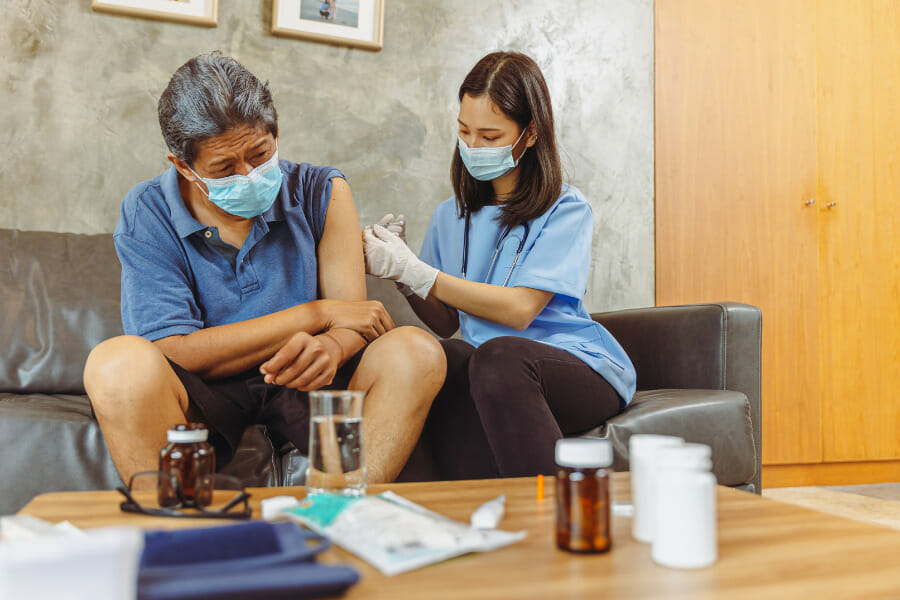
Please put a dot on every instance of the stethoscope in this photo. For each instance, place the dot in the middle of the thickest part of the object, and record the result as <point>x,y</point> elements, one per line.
<point>465,256</point>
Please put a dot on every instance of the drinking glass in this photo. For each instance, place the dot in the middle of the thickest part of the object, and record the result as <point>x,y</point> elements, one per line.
<point>336,458</point>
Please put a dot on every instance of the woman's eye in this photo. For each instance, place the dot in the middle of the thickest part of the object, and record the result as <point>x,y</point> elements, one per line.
<point>489,139</point>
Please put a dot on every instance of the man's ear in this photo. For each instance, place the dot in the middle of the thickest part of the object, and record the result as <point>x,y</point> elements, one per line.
<point>182,167</point>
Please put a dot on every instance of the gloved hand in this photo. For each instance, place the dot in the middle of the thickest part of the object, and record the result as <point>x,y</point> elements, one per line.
<point>397,227</point>
<point>388,257</point>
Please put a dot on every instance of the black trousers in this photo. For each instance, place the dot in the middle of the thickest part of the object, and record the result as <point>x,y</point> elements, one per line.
<point>506,403</point>
<point>228,406</point>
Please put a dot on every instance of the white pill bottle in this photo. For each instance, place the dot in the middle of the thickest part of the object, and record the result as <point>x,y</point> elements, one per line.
<point>686,535</point>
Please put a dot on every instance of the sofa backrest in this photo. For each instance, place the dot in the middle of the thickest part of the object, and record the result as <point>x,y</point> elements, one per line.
<point>59,297</point>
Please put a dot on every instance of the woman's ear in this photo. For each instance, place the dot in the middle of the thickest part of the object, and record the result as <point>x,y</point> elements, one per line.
<point>530,135</point>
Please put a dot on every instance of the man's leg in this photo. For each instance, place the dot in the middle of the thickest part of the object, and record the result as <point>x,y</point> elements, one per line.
<point>136,398</point>
<point>401,372</point>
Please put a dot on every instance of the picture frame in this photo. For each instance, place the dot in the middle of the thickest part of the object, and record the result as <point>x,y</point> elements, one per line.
<point>194,12</point>
<point>354,23</point>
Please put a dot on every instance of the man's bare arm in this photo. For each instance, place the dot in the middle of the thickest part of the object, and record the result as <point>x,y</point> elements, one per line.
<point>225,350</point>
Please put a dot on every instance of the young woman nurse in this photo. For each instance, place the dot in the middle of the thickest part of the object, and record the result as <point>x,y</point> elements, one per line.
<point>506,260</point>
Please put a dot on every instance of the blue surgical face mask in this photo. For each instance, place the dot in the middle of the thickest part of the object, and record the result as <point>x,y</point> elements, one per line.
<point>489,163</point>
<point>247,195</point>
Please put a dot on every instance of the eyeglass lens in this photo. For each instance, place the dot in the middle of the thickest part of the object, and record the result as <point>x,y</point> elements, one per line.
<point>155,490</point>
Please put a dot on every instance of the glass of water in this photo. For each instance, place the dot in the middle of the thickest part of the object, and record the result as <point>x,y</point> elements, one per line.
<point>337,463</point>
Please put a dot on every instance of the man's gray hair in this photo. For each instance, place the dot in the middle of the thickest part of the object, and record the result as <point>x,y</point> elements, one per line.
<point>209,95</point>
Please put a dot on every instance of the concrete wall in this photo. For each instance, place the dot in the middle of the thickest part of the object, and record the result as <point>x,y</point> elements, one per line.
<point>78,92</point>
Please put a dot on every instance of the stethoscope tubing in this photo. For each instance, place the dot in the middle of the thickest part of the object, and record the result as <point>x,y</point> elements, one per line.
<point>465,256</point>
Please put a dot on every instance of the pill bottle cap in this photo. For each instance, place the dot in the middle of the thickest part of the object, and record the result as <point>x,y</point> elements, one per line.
<point>646,443</point>
<point>187,434</point>
<point>687,457</point>
<point>590,453</point>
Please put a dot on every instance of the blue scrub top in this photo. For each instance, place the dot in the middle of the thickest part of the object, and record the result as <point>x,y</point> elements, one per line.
<point>556,258</point>
<point>175,280</point>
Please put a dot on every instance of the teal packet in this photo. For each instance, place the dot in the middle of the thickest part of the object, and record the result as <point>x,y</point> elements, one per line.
<point>393,534</point>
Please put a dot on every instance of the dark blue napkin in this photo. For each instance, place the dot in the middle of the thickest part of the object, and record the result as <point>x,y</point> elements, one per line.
<point>237,562</point>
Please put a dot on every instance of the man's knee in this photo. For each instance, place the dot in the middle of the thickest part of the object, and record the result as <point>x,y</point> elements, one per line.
<point>120,369</point>
<point>407,356</point>
<point>412,346</point>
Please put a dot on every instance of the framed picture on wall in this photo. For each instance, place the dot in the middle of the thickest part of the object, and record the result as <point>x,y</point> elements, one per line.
<point>357,23</point>
<point>196,12</point>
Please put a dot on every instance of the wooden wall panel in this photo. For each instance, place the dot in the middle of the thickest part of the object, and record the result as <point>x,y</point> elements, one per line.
<point>858,132</point>
<point>735,162</point>
<point>838,473</point>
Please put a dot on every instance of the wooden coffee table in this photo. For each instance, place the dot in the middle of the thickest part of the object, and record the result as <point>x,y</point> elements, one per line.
<point>766,549</point>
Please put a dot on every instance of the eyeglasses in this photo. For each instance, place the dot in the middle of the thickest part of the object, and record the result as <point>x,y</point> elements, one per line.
<point>159,494</point>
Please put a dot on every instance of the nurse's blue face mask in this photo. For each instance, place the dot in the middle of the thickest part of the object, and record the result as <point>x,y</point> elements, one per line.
<point>247,195</point>
<point>489,163</point>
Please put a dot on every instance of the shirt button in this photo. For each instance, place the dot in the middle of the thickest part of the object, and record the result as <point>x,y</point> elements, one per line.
<point>208,233</point>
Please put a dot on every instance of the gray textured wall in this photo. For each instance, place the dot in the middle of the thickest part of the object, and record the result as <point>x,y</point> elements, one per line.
<point>79,90</point>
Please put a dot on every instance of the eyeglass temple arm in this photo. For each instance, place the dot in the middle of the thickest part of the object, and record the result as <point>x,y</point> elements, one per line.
<point>234,501</point>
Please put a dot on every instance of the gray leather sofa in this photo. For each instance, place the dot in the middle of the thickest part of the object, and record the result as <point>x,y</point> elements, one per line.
<point>698,372</point>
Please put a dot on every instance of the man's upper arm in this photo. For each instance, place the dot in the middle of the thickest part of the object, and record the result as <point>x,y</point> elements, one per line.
<point>342,274</point>
<point>156,297</point>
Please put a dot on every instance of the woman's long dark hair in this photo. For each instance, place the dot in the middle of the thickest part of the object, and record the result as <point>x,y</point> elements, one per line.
<point>515,84</point>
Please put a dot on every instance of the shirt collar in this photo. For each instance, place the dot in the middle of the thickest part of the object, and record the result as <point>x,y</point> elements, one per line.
<point>185,224</point>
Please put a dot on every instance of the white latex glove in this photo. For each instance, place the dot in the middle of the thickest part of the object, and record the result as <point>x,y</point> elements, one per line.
<point>397,227</point>
<point>388,257</point>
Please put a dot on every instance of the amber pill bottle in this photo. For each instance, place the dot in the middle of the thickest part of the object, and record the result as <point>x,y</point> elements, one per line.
<point>582,494</point>
<point>191,460</point>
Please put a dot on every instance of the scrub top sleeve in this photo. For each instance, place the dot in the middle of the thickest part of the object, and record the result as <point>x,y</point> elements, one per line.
<point>560,259</point>
<point>431,247</point>
<point>157,298</point>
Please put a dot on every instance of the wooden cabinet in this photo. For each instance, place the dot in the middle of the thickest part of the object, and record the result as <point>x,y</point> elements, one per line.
<point>778,184</point>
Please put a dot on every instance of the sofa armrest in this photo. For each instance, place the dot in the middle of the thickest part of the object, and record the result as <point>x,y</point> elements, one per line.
<point>701,346</point>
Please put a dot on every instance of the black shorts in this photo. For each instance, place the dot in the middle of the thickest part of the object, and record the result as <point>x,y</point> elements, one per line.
<point>228,406</point>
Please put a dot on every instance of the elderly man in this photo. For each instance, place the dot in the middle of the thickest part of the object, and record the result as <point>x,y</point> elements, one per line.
<point>243,288</point>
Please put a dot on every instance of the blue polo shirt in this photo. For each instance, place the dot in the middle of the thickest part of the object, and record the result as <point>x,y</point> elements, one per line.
<point>555,256</point>
<point>174,279</point>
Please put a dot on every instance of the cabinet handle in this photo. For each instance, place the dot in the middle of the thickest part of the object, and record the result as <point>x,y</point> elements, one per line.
<point>830,204</point>
<point>810,202</point>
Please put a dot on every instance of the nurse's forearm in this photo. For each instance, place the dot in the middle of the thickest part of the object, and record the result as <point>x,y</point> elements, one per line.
<point>514,307</point>
<point>440,318</point>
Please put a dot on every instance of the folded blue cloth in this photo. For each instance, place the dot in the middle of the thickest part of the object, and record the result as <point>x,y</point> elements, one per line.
<point>236,562</point>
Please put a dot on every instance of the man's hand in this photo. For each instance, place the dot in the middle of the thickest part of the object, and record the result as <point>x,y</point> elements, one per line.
<point>367,318</point>
<point>305,362</point>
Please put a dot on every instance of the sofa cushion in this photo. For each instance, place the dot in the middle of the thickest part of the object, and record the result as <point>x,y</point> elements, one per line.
<point>718,418</point>
<point>50,443</point>
<point>60,296</point>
